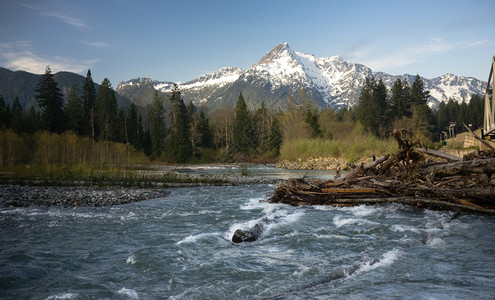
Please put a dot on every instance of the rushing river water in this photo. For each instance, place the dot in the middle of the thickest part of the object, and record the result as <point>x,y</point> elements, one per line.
<point>179,247</point>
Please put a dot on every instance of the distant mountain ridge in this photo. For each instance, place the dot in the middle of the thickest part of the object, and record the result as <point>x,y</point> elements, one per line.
<point>23,84</point>
<point>332,82</point>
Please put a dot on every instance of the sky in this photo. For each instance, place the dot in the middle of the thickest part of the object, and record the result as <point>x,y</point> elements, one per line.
<point>181,40</point>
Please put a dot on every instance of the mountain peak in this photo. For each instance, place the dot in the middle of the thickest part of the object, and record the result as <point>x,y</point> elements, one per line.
<point>277,51</point>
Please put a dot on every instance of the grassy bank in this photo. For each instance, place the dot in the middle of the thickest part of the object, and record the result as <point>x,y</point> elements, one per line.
<point>350,149</point>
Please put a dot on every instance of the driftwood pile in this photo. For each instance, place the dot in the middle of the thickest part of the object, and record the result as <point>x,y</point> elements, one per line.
<point>414,176</point>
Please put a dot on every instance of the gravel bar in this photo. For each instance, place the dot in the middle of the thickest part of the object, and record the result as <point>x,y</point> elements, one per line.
<point>25,195</point>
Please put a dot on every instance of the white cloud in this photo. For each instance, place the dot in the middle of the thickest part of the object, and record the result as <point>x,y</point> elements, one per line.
<point>416,52</point>
<point>95,44</point>
<point>58,15</point>
<point>410,54</point>
<point>19,56</point>
<point>65,18</point>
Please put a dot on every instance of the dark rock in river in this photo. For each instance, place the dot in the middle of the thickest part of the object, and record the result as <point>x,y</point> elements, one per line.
<point>241,236</point>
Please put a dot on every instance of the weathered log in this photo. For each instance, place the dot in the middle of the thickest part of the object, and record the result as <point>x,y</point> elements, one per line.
<point>478,166</point>
<point>440,154</point>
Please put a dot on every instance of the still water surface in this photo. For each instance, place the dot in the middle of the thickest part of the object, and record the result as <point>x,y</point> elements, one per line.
<point>179,247</point>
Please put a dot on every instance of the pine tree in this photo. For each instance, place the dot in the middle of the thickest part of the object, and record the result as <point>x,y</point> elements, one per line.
<point>134,127</point>
<point>243,131</point>
<point>106,111</point>
<point>311,117</point>
<point>419,96</point>
<point>50,100</point>
<point>17,117</point>
<point>156,120</point>
<point>205,132</point>
<point>73,111</point>
<point>89,101</point>
<point>4,113</point>
<point>180,142</point>
<point>399,104</point>
<point>276,138</point>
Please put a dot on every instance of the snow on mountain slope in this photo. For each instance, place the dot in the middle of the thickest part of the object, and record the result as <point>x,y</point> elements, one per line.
<point>332,81</point>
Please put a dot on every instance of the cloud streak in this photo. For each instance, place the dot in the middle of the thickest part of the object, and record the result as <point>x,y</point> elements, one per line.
<point>19,56</point>
<point>57,15</point>
<point>417,52</point>
<point>95,44</point>
<point>410,54</point>
<point>65,18</point>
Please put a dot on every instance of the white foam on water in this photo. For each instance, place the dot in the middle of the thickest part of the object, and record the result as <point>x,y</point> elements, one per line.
<point>131,259</point>
<point>435,242</point>
<point>62,296</point>
<point>339,221</point>
<point>280,219</point>
<point>130,216</point>
<point>403,228</point>
<point>131,294</point>
<point>363,210</point>
<point>387,259</point>
<point>194,238</point>
<point>254,203</point>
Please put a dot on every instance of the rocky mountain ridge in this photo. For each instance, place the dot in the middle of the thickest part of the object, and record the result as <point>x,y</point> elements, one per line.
<point>331,81</point>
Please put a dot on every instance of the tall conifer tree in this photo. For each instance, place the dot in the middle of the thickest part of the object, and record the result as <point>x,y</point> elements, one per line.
<point>74,111</point>
<point>106,111</point>
<point>51,102</point>
<point>89,101</point>
<point>243,129</point>
<point>180,141</point>
<point>156,120</point>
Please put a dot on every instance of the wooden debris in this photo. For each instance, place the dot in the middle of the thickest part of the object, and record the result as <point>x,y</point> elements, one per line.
<point>407,177</point>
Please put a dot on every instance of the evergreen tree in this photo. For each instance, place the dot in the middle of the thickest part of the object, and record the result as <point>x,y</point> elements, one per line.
<point>106,111</point>
<point>4,114</point>
<point>17,117</point>
<point>50,100</point>
<point>156,120</point>
<point>89,102</point>
<point>311,117</point>
<point>74,111</point>
<point>276,138</point>
<point>243,131</point>
<point>32,121</point>
<point>134,127</point>
<point>382,119</point>
<point>180,142</point>
<point>205,132</point>
<point>419,96</point>
<point>399,103</point>
<point>262,121</point>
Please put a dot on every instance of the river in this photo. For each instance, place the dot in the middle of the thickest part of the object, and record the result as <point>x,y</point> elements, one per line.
<point>179,247</point>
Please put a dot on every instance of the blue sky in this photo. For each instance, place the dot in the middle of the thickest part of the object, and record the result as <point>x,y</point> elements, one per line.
<point>182,40</point>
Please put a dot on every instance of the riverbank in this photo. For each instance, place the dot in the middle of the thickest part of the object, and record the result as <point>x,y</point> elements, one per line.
<point>28,195</point>
<point>83,193</point>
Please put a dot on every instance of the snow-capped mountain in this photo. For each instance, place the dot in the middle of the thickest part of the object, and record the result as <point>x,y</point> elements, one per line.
<point>331,81</point>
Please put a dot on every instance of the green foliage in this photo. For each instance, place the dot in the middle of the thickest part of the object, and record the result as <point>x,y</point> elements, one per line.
<point>74,111</point>
<point>50,101</point>
<point>156,120</point>
<point>134,127</point>
<point>244,142</point>
<point>89,106</point>
<point>371,112</point>
<point>106,111</point>
<point>180,147</point>
<point>311,117</point>
<point>4,113</point>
